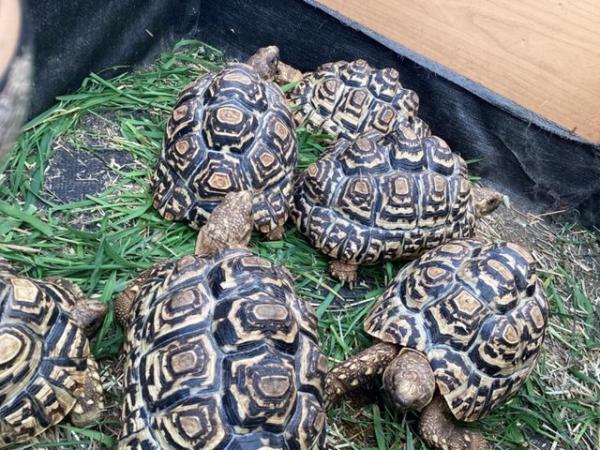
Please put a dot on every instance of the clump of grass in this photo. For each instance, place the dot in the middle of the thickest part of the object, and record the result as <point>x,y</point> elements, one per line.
<point>129,236</point>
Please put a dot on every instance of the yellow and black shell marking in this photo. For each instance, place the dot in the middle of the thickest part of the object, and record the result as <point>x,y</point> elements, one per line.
<point>381,198</point>
<point>44,357</point>
<point>221,354</point>
<point>479,314</point>
<point>345,99</point>
<point>229,131</point>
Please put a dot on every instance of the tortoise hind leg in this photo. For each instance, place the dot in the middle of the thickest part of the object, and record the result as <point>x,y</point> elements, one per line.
<point>343,271</point>
<point>359,370</point>
<point>89,395</point>
<point>440,430</point>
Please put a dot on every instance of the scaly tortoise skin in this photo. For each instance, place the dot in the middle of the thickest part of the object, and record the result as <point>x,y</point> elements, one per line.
<point>229,131</point>
<point>478,313</point>
<point>222,354</point>
<point>345,99</point>
<point>46,368</point>
<point>384,197</point>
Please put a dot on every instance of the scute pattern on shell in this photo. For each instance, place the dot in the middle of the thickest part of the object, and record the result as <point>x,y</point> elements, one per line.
<point>345,99</point>
<point>222,354</point>
<point>44,356</point>
<point>229,131</point>
<point>383,197</point>
<point>477,311</point>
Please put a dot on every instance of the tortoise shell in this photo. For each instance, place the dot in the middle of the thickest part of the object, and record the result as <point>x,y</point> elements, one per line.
<point>222,354</point>
<point>229,131</point>
<point>45,357</point>
<point>476,311</point>
<point>345,99</point>
<point>384,197</point>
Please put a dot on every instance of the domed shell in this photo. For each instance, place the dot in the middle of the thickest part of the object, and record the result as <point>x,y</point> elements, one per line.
<point>44,357</point>
<point>479,314</point>
<point>382,197</point>
<point>222,354</point>
<point>346,99</point>
<point>229,131</point>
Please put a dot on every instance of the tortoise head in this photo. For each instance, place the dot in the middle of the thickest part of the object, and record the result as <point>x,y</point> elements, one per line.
<point>409,380</point>
<point>229,225</point>
<point>487,200</point>
<point>265,61</point>
<point>89,315</point>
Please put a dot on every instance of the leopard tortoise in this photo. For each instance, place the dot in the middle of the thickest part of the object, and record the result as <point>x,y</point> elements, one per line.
<point>221,353</point>
<point>46,368</point>
<point>229,131</point>
<point>466,318</point>
<point>385,197</point>
<point>345,99</point>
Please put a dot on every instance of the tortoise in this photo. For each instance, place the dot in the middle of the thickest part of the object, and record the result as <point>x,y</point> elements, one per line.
<point>229,131</point>
<point>345,99</point>
<point>460,329</point>
<point>221,353</point>
<point>46,369</point>
<point>386,197</point>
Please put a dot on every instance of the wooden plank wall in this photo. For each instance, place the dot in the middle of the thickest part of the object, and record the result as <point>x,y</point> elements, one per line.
<point>542,54</point>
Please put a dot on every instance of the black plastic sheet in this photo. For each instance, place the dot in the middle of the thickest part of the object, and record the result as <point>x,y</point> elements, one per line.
<point>540,165</point>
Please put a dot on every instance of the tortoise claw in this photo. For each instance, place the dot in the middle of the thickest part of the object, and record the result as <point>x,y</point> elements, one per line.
<point>344,272</point>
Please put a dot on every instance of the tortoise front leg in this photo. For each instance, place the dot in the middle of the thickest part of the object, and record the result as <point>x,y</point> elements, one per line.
<point>358,370</point>
<point>125,301</point>
<point>229,225</point>
<point>441,431</point>
<point>87,389</point>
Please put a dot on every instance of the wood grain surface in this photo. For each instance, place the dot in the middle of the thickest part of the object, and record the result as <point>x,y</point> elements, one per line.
<point>542,54</point>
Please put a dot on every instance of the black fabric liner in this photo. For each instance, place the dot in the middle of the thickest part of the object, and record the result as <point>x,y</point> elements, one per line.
<point>68,177</point>
<point>540,165</point>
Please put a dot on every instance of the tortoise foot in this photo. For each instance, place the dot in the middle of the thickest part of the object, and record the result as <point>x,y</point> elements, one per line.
<point>441,431</point>
<point>276,234</point>
<point>344,272</point>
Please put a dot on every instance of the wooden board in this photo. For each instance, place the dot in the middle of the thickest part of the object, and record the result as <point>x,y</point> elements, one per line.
<point>542,54</point>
